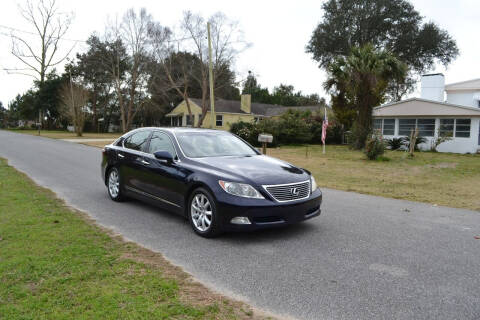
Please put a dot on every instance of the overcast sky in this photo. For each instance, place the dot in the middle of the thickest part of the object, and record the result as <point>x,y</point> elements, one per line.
<point>278,31</point>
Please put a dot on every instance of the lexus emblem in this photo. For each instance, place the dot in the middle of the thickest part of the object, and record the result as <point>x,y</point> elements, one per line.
<point>294,191</point>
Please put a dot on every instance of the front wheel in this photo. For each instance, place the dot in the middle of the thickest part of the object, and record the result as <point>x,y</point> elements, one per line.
<point>203,214</point>
<point>114,185</point>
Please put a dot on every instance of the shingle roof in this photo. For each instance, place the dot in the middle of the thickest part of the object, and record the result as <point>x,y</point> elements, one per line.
<point>261,109</point>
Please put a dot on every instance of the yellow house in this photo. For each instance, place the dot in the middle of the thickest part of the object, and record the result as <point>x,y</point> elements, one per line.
<point>228,112</point>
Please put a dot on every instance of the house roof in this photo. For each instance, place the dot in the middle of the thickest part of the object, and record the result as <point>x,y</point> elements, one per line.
<point>473,84</point>
<point>260,109</point>
<point>423,107</point>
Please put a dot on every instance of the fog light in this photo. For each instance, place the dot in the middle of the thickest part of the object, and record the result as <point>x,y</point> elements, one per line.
<point>240,220</point>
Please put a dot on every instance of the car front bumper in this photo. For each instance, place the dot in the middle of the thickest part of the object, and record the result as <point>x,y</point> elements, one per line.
<point>271,214</point>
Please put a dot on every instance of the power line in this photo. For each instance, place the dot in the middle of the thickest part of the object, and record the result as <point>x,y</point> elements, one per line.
<point>36,34</point>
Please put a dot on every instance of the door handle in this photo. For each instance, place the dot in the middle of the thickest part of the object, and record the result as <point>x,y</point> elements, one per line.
<point>145,162</point>
<point>121,156</point>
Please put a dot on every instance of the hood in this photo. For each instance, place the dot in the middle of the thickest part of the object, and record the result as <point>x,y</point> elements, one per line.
<point>259,169</point>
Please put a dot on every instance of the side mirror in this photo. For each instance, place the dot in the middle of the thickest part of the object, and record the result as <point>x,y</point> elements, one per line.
<point>163,155</point>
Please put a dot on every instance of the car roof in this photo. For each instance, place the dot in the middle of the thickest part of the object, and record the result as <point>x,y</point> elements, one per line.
<point>178,129</point>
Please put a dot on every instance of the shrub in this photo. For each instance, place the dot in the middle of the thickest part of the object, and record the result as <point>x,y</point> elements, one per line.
<point>417,142</point>
<point>295,127</point>
<point>374,146</point>
<point>396,143</point>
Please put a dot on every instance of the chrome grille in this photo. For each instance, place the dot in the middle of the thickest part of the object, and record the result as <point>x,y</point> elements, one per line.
<point>289,192</point>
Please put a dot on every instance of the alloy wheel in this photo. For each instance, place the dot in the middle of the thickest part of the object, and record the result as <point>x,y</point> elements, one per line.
<point>114,183</point>
<point>201,211</point>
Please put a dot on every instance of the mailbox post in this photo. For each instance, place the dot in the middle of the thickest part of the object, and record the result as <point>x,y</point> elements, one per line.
<point>265,138</point>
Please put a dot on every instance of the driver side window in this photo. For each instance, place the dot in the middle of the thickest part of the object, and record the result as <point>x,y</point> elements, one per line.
<point>161,142</point>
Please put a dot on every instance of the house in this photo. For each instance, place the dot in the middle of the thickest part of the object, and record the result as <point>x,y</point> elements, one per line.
<point>457,117</point>
<point>228,112</point>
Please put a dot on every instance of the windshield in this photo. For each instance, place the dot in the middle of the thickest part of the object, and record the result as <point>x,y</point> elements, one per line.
<point>212,144</point>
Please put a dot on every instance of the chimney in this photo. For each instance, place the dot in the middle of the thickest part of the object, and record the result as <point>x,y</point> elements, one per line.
<point>433,87</point>
<point>246,103</point>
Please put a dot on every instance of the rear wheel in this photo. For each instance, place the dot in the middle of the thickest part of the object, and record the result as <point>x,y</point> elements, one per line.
<point>114,185</point>
<point>203,214</point>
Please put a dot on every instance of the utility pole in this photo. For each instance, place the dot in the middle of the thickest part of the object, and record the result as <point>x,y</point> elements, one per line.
<point>210,76</point>
<point>73,102</point>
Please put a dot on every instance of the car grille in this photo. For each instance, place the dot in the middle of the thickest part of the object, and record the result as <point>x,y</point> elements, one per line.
<point>289,192</point>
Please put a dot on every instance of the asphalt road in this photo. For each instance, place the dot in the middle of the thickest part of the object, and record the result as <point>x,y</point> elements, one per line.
<point>365,258</point>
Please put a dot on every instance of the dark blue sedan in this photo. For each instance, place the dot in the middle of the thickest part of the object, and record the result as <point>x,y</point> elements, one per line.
<point>213,178</point>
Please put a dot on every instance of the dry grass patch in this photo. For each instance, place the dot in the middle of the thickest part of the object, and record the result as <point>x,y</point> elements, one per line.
<point>68,135</point>
<point>439,178</point>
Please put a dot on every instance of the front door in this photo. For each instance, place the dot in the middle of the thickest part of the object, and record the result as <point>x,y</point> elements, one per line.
<point>165,181</point>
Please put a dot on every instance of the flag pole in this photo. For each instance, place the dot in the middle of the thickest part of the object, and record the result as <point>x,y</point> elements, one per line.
<point>324,118</point>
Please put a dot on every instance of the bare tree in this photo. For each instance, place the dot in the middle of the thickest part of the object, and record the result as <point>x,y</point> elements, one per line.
<point>74,98</point>
<point>128,62</point>
<point>176,67</point>
<point>50,27</point>
<point>227,42</point>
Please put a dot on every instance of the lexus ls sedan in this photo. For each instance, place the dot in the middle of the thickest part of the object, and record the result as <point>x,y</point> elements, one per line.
<point>213,178</point>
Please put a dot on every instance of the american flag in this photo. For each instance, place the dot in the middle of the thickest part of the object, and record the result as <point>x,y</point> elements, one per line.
<point>324,126</point>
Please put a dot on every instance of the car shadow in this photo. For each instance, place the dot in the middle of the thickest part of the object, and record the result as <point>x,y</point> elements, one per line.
<point>282,233</point>
<point>294,231</point>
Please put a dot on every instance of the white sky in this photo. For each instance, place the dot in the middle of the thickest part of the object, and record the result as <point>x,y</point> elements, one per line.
<point>278,31</point>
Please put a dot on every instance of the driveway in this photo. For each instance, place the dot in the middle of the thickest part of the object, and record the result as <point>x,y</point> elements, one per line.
<point>366,257</point>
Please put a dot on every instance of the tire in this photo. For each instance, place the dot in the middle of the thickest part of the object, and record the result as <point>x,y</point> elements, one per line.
<point>114,185</point>
<point>202,213</point>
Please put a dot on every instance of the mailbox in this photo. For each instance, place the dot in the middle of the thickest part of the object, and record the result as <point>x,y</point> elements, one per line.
<point>265,138</point>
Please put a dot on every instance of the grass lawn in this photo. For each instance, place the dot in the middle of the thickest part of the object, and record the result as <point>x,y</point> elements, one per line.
<point>439,178</point>
<point>56,264</point>
<point>68,135</point>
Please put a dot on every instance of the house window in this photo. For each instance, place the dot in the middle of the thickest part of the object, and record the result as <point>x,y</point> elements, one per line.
<point>462,128</point>
<point>388,127</point>
<point>219,120</point>
<point>446,127</point>
<point>377,124</point>
<point>405,126</point>
<point>190,119</point>
<point>426,127</point>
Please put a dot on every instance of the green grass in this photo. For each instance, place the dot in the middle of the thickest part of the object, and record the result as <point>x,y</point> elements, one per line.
<point>438,178</point>
<point>54,264</point>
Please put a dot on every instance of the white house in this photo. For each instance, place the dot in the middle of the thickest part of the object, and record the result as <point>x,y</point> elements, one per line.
<point>458,116</point>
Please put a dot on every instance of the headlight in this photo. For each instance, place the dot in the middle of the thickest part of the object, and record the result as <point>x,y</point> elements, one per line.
<point>313,183</point>
<point>240,189</point>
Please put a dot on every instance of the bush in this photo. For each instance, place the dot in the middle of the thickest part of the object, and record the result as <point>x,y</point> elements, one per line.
<point>396,143</point>
<point>293,127</point>
<point>417,142</point>
<point>374,146</point>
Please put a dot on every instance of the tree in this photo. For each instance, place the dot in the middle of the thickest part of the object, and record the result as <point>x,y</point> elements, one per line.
<point>74,98</point>
<point>227,42</point>
<point>392,25</point>
<point>3,116</point>
<point>128,60</point>
<point>362,80</point>
<point>91,70</point>
<point>283,94</point>
<point>253,88</point>
<point>50,25</point>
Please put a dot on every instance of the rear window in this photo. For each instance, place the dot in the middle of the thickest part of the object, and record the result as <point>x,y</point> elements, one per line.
<point>137,141</point>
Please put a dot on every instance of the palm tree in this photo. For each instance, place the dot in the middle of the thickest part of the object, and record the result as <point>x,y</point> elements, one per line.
<point>359,82</point>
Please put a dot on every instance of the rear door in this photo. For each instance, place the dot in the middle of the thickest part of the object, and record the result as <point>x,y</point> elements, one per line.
<point>131,159</point>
